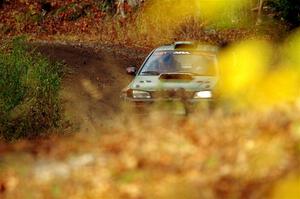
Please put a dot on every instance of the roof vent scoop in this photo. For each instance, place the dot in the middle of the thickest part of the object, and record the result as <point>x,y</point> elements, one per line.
<point>185,45</point>
<point>188,45</point>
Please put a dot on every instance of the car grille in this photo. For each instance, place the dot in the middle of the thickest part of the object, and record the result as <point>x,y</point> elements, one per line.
<point>173,94</point>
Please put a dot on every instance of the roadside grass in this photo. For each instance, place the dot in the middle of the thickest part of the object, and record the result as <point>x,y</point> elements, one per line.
<point>147,36</point>
<point>29,91</point>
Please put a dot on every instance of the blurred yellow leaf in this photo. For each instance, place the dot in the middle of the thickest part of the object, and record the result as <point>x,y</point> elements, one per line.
<point>288,189</point>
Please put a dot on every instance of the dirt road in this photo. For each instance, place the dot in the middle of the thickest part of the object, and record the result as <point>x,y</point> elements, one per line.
<point>95,76</point>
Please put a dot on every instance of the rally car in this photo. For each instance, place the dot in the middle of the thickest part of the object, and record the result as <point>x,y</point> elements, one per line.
<point>184,72</point>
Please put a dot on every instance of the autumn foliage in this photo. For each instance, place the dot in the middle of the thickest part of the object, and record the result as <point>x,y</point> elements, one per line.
<point>100,21</point>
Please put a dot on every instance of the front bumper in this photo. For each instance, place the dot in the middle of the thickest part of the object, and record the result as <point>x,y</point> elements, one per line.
<point>163,103</point>
<point>156,100</point>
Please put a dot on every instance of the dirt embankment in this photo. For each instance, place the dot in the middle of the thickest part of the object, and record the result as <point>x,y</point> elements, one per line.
<point>94,78</point>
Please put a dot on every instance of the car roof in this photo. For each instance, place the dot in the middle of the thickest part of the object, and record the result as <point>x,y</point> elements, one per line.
<point>188,45</point>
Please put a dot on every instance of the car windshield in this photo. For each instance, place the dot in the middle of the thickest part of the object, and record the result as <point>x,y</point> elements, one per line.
<point>195,62</point>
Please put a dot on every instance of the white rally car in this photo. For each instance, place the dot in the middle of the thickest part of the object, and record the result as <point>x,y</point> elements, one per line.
<point>184,72</point>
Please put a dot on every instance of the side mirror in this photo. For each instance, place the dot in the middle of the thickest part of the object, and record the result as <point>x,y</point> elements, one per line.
<point>131,70</point>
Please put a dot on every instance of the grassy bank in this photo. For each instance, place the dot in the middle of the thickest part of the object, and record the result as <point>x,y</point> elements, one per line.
<point>152,24</point>
<point>29,86</point>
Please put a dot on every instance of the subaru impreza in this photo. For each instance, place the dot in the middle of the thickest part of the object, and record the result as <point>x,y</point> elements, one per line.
<point>183,72</point>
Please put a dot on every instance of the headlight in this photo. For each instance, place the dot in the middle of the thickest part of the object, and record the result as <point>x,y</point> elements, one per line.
<point>203,95</point>
<point>140,94</point>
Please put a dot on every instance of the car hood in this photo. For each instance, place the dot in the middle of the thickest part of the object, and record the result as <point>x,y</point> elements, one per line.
<point>154,83</point>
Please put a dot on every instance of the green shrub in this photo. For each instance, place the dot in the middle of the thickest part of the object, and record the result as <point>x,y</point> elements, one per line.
<point>29,91</point>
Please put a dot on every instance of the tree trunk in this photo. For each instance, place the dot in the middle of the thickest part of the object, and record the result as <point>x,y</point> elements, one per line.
<point>121,8</point>
<point>259,13</point>
<point>133,3</point>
